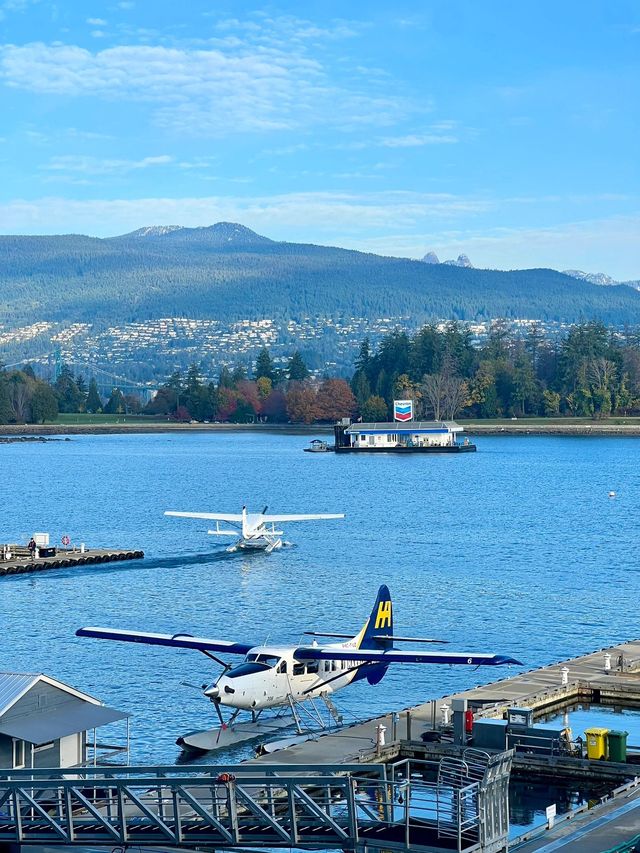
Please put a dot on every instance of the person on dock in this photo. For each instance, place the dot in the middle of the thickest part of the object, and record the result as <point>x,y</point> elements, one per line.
<point>32,547</point>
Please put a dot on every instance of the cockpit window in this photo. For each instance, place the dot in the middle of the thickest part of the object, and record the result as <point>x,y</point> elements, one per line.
<point>268,660</point>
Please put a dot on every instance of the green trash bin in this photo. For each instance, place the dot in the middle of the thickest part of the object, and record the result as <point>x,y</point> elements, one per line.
<point>617,745</point>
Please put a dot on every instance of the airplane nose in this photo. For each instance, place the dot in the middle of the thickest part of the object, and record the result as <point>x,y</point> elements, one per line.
<point>212,692</point>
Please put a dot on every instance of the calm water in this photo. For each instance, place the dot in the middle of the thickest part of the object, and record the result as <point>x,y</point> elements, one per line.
<point>514,549</point>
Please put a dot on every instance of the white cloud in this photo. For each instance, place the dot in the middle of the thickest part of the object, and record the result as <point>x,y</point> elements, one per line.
<point>72,164</point>
<point>97,22</point>
<point>414,140</point>
<point>8,6</point>
<point>321,211</point>
<point>214,91</point>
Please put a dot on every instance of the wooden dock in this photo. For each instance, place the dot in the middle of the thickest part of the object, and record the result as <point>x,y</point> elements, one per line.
<point>22,562</point>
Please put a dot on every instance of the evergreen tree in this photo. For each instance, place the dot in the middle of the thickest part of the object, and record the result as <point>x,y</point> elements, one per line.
<point>93,403</point>
<point>225,379</point>
<point>116,404</point>
<point>297,370</point>
<point>5,402</point>
<point>70,398</point>
<point>239,375</point>
<point>264,365</point>
<point>360,387</point>
<point>44,405</point>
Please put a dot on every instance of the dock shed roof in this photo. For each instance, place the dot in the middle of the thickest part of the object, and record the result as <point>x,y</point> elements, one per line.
<point>13,685</point>
<point>59,722</point>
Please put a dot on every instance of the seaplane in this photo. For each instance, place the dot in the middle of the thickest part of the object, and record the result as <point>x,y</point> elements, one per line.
<point>257,529</point>
<point>287,679</point>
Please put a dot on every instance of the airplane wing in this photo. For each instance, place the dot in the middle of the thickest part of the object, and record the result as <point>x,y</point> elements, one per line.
<point>210,516</point>
<point>314,517</point>
<point>399,656</point>
<point>179,641</point>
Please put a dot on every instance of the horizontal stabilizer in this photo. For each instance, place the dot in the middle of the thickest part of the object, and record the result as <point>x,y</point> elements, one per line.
<point>323,634</point>
<point>356,656</point>
<point>179,641</point>
<point>406,639</point>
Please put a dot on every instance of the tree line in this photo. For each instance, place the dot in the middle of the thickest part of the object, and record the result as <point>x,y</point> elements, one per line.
<point>269,394</point>
<point>591,372</point>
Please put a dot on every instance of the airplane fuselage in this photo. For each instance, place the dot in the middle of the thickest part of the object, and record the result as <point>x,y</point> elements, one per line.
<point>269,677</point>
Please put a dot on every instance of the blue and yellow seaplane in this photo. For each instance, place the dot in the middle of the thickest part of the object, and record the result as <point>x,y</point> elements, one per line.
<point>285,677</point>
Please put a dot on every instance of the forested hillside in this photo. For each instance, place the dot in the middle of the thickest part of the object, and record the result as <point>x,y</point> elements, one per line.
<point>229,271</point>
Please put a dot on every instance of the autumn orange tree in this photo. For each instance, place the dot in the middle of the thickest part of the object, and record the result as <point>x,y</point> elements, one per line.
<point>335,400</point>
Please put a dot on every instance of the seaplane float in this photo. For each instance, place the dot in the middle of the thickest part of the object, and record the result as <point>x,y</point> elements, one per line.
<point>285,680</point>
<point>257,530</point>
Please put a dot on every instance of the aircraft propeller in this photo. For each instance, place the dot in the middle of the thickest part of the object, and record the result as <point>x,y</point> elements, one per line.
<point>194,686</point>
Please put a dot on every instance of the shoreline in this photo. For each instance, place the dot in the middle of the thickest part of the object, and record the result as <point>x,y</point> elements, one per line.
<point>15,431</point>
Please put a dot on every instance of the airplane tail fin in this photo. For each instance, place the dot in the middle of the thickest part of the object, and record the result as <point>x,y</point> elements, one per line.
<point>378,626</point>
<point>379,623</point>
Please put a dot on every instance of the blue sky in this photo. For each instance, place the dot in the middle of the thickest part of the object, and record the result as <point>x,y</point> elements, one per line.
<point>505,130</point>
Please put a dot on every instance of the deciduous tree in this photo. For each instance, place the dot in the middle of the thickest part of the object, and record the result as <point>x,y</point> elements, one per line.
<point>335,400</point>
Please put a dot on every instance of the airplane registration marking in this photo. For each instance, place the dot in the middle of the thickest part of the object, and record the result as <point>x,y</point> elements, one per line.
<point>383,616</point>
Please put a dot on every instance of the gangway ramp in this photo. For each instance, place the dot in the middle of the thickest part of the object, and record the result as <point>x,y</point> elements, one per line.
<point>349,807</point>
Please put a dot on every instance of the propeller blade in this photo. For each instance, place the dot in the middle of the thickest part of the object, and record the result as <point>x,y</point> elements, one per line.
<point>216,702</point>
<point>264,511</point>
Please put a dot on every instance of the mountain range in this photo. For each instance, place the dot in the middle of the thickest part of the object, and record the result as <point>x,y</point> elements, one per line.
<point>593,277</point>
<point>229,272</point>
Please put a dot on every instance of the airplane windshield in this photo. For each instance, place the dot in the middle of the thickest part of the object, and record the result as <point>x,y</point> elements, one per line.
<point>268,660</point>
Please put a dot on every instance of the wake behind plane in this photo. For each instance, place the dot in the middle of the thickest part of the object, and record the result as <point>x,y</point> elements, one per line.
<point>286,677</point>
<point>257,529</point>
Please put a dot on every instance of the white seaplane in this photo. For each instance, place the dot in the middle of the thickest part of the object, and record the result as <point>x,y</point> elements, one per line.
<point>255,532</point>
<point>284,678</point>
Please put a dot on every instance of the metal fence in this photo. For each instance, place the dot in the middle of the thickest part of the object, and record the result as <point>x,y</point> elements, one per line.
<point>404,806</point>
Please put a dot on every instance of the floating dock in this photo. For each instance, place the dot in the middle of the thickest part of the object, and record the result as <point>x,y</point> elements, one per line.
<point>21,560</point>
<point>608,676</point>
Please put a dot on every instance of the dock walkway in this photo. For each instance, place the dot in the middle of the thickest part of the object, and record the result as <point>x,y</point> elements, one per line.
<point>64,557</point>
<point>592,831</point>
<point>539,689</point>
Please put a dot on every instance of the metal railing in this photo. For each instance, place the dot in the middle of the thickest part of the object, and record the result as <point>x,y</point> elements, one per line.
<point>349,807</point>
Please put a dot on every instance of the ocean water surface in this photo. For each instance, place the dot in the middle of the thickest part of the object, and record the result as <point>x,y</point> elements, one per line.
<point>515,549</point>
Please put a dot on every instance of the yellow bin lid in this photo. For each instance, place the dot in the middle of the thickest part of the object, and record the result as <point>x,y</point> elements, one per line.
<point>596,731</point>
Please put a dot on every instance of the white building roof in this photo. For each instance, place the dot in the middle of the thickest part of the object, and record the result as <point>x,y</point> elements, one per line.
<point>405,426</point>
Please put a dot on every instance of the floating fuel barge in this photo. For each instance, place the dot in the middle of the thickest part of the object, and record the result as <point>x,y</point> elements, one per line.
<point>401,437</point>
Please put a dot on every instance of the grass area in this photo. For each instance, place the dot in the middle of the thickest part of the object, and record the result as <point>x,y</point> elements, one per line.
<point>102,419</point>
<point>616,421</point>
<point>111,420</point>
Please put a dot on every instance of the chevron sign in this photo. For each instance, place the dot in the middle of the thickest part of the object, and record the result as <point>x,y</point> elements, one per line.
<point>403,410</point>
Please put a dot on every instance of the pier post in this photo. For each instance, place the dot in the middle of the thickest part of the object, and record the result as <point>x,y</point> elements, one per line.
<point>408,725</point>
